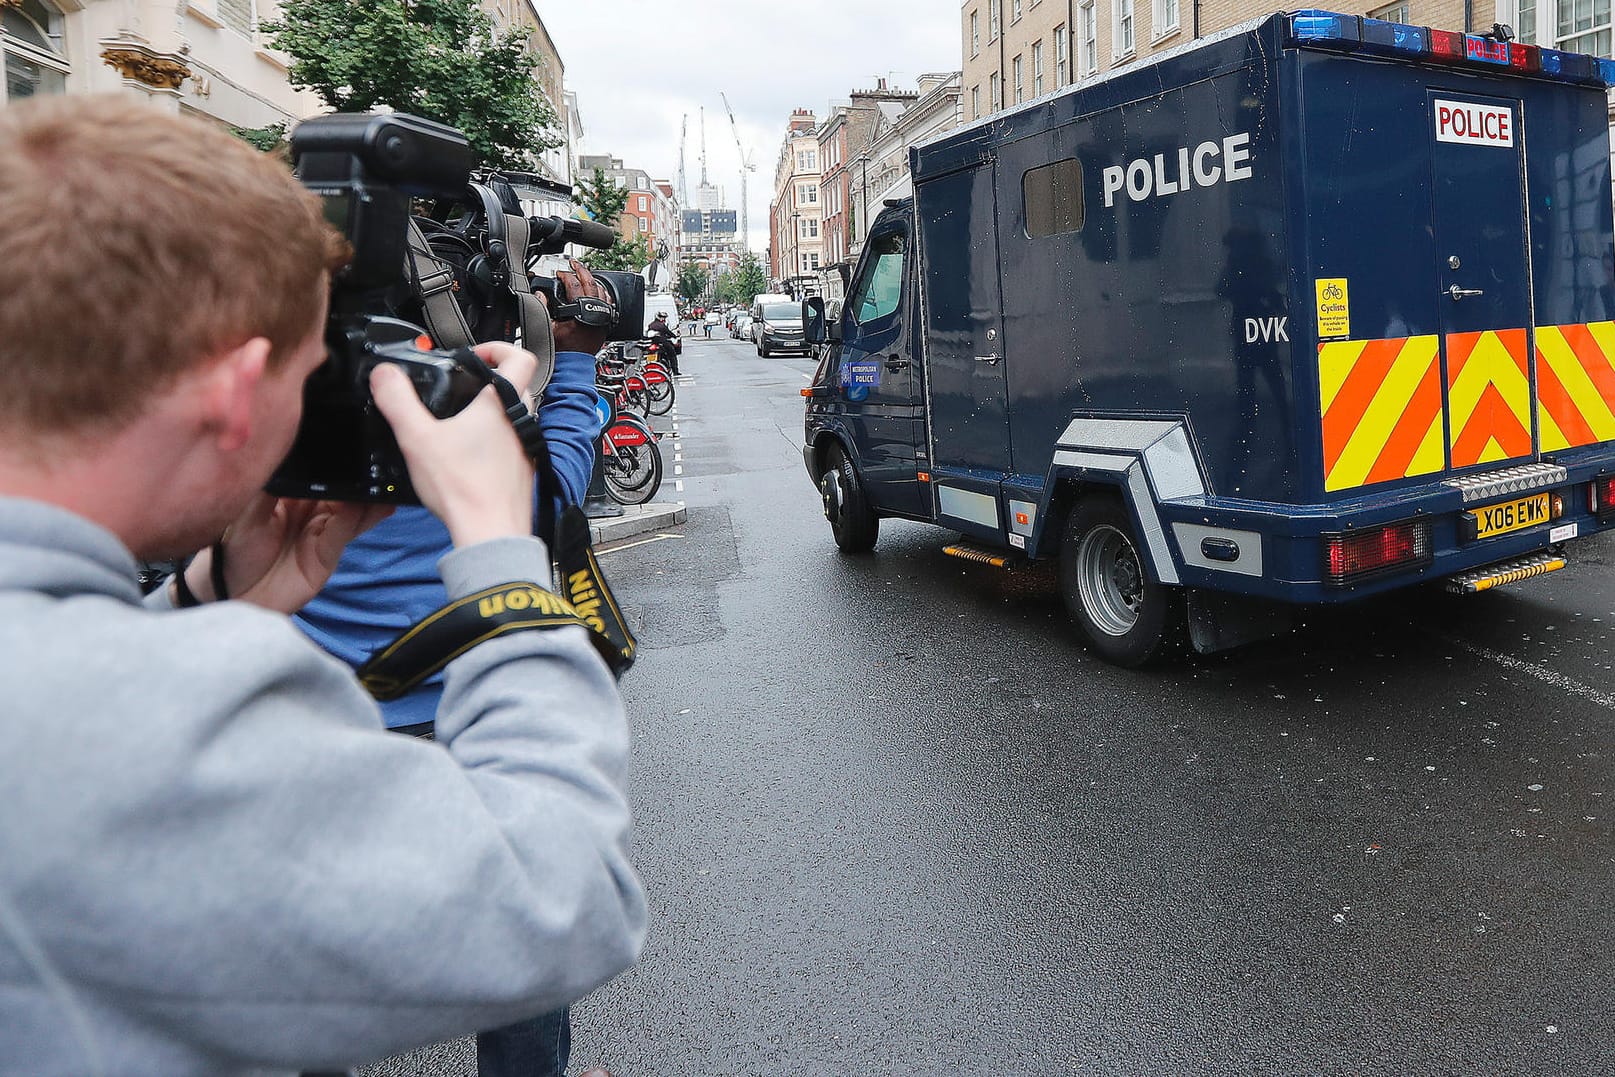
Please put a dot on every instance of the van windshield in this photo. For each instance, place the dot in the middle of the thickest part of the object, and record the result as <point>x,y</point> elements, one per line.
<point>781,312</point>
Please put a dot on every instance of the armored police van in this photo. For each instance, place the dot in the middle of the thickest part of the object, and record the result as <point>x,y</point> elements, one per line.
<point>1307,311</point>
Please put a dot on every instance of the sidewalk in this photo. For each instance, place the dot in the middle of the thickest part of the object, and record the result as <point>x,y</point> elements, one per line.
<point>636,520</point>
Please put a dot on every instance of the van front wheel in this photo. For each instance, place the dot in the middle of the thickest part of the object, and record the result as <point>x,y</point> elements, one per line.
<point>1129,618</point>
<point>852,518</point>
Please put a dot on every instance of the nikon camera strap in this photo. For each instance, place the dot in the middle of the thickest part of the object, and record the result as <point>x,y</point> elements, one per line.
<point>584,600</point>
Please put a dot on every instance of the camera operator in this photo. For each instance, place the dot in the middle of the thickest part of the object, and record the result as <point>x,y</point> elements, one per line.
<point>214,859</point>
<point>387,581</point>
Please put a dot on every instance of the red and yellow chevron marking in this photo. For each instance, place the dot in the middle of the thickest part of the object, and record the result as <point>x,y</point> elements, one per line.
<point>1381,406</point>
<point>1489,395</point>
<point>1575,374</point>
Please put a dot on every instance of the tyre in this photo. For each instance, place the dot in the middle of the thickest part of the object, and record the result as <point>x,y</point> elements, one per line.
<point>852,518</point>
<point>633,474</point>
<point>1129,618</point>
<point>637,400</point>
<point>661,398</point>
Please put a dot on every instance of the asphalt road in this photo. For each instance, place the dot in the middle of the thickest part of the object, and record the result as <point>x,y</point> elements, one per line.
<point>894,818</point>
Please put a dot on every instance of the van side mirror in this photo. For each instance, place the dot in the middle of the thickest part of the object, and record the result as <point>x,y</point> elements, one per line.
<point>817,327</point>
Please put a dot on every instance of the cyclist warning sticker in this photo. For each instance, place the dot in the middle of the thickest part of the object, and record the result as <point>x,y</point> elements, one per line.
<point>1334,309</point>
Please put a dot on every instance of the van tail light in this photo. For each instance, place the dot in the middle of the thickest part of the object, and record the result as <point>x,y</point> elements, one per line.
<point>1601,496</point>
<point>1355,555</point>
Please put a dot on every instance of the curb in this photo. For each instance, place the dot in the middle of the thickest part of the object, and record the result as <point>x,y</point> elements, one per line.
<point>636,520</point>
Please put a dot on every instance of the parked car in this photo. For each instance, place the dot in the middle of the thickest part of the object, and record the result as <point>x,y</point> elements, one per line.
<point>740,329</point>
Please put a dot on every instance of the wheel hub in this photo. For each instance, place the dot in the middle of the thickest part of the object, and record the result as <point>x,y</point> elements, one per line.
<point>1110,579</point>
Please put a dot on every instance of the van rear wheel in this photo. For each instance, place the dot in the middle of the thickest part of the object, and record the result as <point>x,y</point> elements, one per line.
<point>1128,617</point>
<point>852,518</point>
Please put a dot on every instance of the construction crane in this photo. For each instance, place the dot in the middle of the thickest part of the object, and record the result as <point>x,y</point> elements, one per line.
<point>746,165</point>
<point>684,134</point>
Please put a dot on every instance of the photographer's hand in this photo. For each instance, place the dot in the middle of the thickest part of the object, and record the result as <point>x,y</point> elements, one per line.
<point>470,470</point>
<point>280,551</point>
<point>569,335</point>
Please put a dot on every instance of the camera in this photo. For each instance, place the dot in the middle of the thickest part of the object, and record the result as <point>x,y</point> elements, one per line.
<point>383,179</point>
<point>367,170</point>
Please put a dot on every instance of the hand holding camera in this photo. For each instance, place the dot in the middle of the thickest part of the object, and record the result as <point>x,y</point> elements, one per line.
<point>469,469</point>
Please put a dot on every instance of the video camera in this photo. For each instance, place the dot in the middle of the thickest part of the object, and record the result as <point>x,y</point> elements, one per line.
<point>370,172</point>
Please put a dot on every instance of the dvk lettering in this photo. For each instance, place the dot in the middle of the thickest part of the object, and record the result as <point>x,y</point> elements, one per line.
<point>1266,330</point>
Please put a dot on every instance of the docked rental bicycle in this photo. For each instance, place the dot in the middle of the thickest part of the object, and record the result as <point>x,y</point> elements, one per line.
<point>630,458</point>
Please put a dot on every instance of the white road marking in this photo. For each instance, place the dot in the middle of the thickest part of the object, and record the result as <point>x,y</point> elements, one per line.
<point>678,485</point>
<point>678,457</point>
<point>642,542</point>
<point>1541,673</point>
<point>677,470</point>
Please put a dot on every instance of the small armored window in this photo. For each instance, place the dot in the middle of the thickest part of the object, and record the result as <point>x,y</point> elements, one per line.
<point>1053,196</point>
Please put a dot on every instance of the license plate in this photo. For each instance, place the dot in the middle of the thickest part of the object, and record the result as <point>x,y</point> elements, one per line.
<point>1508,516</point>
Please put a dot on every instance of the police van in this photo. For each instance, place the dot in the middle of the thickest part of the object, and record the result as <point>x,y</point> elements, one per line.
<point>1313,309</point>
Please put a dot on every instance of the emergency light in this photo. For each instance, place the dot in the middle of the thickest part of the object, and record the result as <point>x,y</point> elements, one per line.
<point>1357,33</point>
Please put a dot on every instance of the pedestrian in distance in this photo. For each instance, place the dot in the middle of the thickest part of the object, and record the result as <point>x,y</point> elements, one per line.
<point>222,862</point>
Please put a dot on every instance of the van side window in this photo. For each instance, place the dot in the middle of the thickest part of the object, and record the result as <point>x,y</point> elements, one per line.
<point>881,288</point>
<point>1053,197</point>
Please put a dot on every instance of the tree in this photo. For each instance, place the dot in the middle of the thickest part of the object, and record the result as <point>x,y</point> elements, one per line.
<point>268,139</point>
<point>692,282</point>
<point>750,279</point>
<point>602,200</point>
<point>439,59</point>
<point>629,256</point>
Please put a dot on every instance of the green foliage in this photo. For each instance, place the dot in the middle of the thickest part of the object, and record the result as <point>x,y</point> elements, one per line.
<point>693,281</point>
<point>266,139</point>
<point>631,256</point>
<point>749,279</point>
<point>601,199</point>
<point>440,59</point>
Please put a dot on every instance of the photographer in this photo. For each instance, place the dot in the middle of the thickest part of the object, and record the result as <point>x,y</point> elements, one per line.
<point>214,859</point>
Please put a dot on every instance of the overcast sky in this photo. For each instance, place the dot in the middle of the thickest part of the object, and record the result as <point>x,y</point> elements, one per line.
<point>639,66</point>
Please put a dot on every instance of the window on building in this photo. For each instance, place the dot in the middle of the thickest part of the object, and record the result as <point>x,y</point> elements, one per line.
<point>1062,57</point>
<point>239,15</point>
<point>995,15</point>
<point>1166,17</point>
<point>975,33</point>
<point>1088,42</point>
<point>1016,83</point>
<point>1037,69</point>
<point>1015,11</point>
<point>808,227</point>
<point>1122,28</point>
<point>643,203</point>
<point>1572,25</point>
<point>975,102</point>
<point>995,95</point>
<point>1391,12</point>
<point>1052,197</point>
<point>807,194</point>
<point>31,58</point>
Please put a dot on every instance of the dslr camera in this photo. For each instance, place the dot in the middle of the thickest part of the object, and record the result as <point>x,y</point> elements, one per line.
<point>371,173</point>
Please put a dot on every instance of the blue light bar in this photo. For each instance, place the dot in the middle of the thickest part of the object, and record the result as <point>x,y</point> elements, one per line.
<point>1606,71</point>
<point>1323,26</point>
<point>1392,37</point>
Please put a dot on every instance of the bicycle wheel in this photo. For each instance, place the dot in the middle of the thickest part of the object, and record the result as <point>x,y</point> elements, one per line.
<point>625,438</point>
<point>661,397</point>
<point>639,464</point>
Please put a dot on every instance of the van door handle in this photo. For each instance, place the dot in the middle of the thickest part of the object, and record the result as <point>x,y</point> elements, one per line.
<point>1458,293</point>
<point>895,363</point>
<point>990,359</point>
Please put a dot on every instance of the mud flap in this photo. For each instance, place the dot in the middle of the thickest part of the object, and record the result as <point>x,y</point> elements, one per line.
<point>1219,622</point>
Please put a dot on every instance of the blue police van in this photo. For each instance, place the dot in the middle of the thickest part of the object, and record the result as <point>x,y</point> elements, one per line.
<point>1316,308</point>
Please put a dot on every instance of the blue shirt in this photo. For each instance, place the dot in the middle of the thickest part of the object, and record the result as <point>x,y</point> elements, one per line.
<point>387,579</point>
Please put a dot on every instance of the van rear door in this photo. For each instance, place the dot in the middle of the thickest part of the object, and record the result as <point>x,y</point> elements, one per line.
<point>1482,266</point>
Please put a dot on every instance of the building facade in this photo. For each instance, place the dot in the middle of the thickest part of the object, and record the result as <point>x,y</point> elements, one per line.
<point>795,221</point>
<point>881,170</point>
<point>844,141</point>
<point>206,58</point>
<point>650,210</point>
<point>1016,50</point>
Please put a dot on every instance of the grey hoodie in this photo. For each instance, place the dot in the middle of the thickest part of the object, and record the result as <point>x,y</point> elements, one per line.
<point>213,860</point>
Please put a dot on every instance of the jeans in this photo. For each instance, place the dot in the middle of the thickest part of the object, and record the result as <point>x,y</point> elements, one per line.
<point>537,1047</point>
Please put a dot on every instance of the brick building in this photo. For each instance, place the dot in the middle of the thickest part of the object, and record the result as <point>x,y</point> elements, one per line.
<point>844,140</point>
<point>1015,50</point>
<point>650,211</point>
<point>795,238</point>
